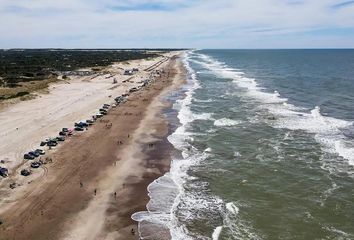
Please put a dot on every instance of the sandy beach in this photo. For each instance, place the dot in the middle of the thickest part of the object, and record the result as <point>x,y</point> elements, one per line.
<point>97,178</point>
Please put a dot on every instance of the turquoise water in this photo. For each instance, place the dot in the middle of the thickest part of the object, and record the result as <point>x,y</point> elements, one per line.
<point>267,148</point>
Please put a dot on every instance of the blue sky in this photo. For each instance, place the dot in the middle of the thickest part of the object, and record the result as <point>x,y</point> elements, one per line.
<point>177,23</point>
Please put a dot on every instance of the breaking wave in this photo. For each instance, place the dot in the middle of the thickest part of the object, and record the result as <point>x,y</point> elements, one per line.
<point>167,193</point>
<point>331,133</point>
<point>225,122</point>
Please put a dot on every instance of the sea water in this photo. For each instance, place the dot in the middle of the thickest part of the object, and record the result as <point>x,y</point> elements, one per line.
<point>264,148</point>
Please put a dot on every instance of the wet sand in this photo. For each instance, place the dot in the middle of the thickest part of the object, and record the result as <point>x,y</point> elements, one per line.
<point>114,164</point>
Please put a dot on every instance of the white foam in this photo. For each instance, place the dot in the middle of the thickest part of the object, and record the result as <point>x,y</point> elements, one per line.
<point>204,101</point>
<point>345,151</point>
<point>167,192</point>
<point>187,203</point>
<point>328,193</point>
<point>225,122</point>
<point>235,225</point>
<point>237,154</point>
<point>216,233</point>
<point>231,207</point>
<point>203,116</point>
<point>208,150</point>
<point>328,131</point>
<point>342,234</point>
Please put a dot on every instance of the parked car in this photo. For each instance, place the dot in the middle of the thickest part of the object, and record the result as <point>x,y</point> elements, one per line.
<point>33,153</point>
<point>79,129</point>
<point>43,143</point>
<point>103,112</point>
<point>62,133</point>
<point>61,138</point>
<point>35,165</point>
<point>52,143</point>
<point>40,151</point>
<point>25,172</point>
<point>4,172</point>
<point>119,99</point>
<point>28,156</point>
<point>81,124</point>
<point>65,130</point>
<point>134,89</point>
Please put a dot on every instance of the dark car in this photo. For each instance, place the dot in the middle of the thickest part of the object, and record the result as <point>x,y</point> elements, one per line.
<point>35,165</point>
<point>43,143</point>
<point>79,129</point>
<point>4,172</point>
<point>62,133</point>
<point>103,112</point>
<point>40,151</point>
<point>65,130</point>
<point>81,124</point>
<point>28,156</point>
<point>25,172</point>
<point>34,153</point>
<point>119,99</point>
<point>52,143</point>
<point>61,138</point>
<point>134,89</point>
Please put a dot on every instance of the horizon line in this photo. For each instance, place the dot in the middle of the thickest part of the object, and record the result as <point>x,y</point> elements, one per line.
<point>180,49</point>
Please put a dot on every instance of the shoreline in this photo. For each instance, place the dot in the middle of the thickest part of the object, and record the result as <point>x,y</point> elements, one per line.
<point>125,184</point>
<point>25,124</point>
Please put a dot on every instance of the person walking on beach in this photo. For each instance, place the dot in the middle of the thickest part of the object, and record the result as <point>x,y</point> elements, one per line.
<point>81,184</point>
<point>95,191</point>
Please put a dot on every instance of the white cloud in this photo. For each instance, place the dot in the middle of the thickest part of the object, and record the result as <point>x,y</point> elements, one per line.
<point>223,23</point>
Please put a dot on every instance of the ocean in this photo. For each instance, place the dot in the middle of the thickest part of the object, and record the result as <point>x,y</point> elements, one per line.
<point>264,145</point>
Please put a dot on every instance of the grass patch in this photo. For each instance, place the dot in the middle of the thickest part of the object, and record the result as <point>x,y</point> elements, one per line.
<point>24,90</point>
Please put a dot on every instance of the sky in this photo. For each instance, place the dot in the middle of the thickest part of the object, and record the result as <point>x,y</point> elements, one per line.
<point>177,24</point>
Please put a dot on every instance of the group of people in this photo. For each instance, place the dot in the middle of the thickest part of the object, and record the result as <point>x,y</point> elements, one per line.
<point>95,190</point>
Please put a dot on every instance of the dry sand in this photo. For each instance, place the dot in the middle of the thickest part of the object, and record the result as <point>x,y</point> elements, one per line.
<point>54,205</point>
<point>24,125</point>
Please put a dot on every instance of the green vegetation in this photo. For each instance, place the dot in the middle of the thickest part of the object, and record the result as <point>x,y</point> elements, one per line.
<point>28,70</point>
<point>24,89</point>
<point>18,66</point>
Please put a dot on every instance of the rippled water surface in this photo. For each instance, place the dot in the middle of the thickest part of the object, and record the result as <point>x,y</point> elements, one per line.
<point>267,147</point>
